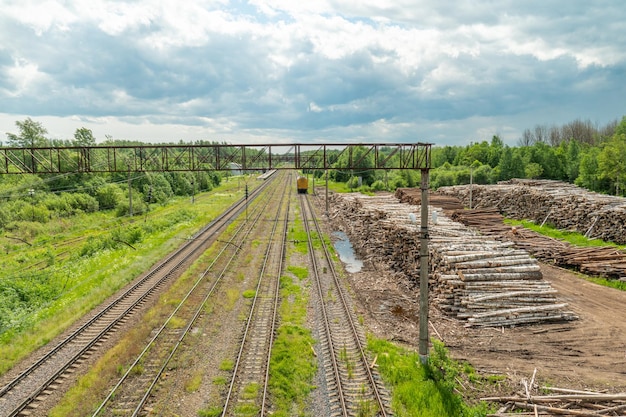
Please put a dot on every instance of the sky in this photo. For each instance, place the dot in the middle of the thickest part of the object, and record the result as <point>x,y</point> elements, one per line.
<point>310,71</point>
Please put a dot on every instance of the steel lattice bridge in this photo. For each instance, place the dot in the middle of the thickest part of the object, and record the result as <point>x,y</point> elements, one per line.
<point>213,157</point>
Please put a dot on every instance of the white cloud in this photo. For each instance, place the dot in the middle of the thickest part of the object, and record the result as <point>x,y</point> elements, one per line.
<point>350,69</point>
<point>38,15</point>
<point>23,77</point>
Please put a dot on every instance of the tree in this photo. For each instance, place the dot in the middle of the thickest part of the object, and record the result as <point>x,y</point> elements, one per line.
<point>612,161</point>
<point>362,162</point>
<point>620,129</point>
<point>511,164</point>
<point>495,150</point>
<point>573,160</point>
<point>533,170</point>
<point>84,137</point>
<point>588,169</point>
<point>31,134</point>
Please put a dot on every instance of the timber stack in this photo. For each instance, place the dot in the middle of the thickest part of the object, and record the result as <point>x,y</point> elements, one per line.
<point>474,278</point>
<point>604,261</point>
<point>414,196</point>
<point>563,205</point>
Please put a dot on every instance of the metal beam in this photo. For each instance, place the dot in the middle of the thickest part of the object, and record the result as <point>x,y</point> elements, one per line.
<point>159,158</point>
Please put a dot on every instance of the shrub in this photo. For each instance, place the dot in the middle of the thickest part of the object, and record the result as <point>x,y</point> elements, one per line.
<point>109,196</point>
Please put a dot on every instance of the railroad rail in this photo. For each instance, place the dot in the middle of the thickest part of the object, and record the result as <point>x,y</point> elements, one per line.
<point>354,388</point>
<point>37,381</point>
<point>132,393</point>
<point>251,369</point>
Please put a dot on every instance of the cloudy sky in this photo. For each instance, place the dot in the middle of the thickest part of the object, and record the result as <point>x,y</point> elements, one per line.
<point>259,71</point>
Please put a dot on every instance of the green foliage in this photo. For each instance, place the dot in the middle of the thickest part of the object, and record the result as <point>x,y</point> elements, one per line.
<point>598,163</point>
<point>55,272</point>
<point>447,175</point>
<point>612,283</point>
<point>612,162</point>
<point>31,134</point>
<point>83,137</point>
<point>533,170</point>
<point>109,196</point>
<point>422,390</point>
<point>379,185</point>
<point>360,159</point>
<point>575,238</point>
<point>70,204</point>
<point>293,364</point>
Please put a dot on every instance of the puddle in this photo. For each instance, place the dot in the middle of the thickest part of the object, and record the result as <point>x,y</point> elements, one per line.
<point>346,252</point>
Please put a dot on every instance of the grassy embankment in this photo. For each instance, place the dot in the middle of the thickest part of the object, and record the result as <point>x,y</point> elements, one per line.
<point>90,257</point>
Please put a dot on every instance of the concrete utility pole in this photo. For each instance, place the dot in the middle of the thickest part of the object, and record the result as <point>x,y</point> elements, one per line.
<point>326,193</point>
<point>31,193</point>
<point>423,342</point>
<point>471,185</point>
<point>130,194</point>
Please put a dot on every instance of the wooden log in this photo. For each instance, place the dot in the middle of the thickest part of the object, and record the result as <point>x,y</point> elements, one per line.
<point>496,276</point>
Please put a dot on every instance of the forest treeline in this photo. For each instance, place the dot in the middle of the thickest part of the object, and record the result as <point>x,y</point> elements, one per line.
<point>578,152</point>
<point>41,197</point>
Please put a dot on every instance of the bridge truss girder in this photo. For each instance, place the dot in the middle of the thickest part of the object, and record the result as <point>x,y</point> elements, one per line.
<point>159,158</point>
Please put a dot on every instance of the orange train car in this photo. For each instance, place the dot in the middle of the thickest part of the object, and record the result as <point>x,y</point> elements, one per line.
<point>302,185</point>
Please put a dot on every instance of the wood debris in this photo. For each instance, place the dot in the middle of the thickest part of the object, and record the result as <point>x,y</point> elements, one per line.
<point>553,401</point>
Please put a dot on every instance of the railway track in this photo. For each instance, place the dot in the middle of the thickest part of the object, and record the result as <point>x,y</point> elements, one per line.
<point>47,374</point>
<point>248,389</point>
<point>354,389</point>
<point>132,395</point>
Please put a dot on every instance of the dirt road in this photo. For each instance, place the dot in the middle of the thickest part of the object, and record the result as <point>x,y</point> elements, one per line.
<point>587,353</point>
<point>590,352</point>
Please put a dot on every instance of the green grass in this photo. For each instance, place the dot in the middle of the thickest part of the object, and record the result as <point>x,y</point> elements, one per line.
<point>219,380</point>
<point>227,365</point>
<point>193,383</point>
<point>419,390</point>
<point>613,283</point>
<point>211,412</point>
<point>299,271</point>
<point>246,410</point>
<point>293,364</point>
<point>337,187</point>
<point>298,236</point>
<point>574,238</point>
<point>74,264</point>
<point>249,293</point>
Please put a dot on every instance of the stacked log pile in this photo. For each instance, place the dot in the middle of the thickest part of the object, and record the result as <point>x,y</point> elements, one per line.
<point>413,196</point>
<point>474,278</point>
<point>601,261</point>
<point>564,205</point>
<point>491,283</point>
